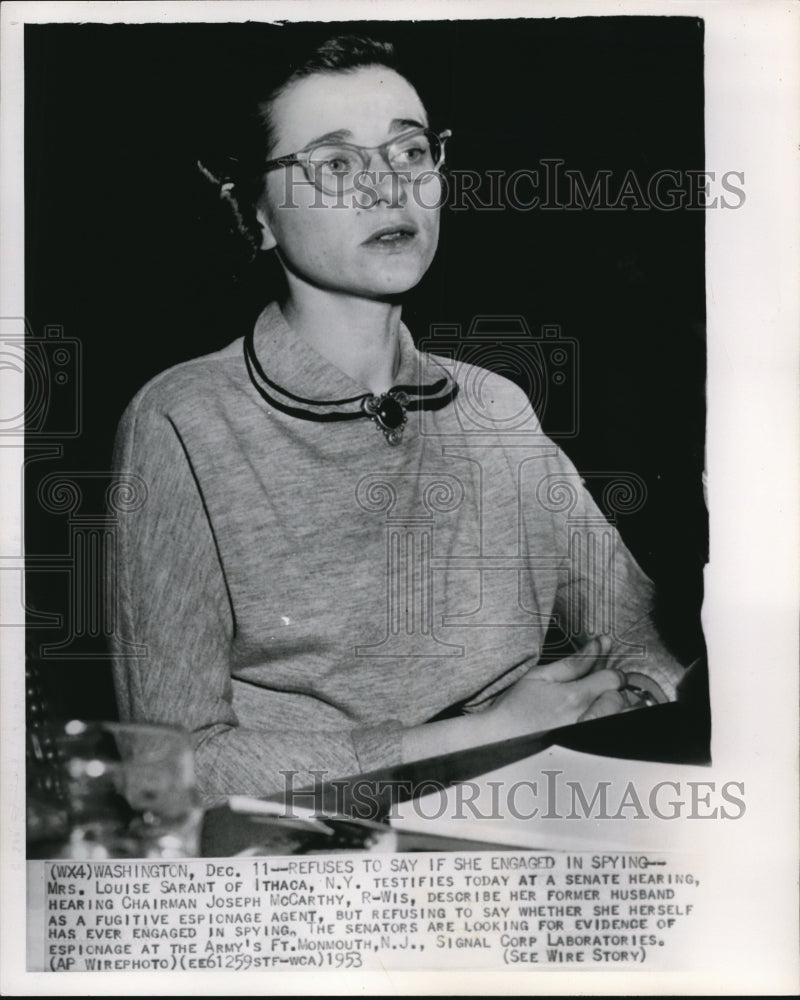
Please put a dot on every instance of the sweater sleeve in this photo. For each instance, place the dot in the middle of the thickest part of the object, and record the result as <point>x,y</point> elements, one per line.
<point>174,603</point>
<point>600,586</point>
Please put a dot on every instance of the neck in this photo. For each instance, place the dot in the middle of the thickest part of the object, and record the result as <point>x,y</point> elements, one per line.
<point>360,336</point>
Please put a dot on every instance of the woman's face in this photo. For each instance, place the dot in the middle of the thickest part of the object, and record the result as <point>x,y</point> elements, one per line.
<point>330,240</point>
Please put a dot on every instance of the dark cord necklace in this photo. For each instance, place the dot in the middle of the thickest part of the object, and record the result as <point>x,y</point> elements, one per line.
<point>389,411</point>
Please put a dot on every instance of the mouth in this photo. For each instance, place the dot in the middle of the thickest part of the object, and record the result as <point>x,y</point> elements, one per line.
<point>394,237</point>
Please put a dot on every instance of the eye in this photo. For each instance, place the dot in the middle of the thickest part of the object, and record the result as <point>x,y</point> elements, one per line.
<point>337,164</point>
<point>412,153</point>
<point>335,160</point>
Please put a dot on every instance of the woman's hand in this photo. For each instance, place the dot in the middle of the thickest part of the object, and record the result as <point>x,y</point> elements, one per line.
<point>575,689</point>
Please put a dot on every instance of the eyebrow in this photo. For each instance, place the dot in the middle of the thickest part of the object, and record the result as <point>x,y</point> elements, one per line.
<point>345,135</point>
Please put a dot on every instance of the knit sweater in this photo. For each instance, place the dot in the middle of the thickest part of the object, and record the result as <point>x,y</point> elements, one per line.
<point>303,590</point>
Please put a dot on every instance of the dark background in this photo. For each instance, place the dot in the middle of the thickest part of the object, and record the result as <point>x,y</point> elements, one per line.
<point>127,251</point>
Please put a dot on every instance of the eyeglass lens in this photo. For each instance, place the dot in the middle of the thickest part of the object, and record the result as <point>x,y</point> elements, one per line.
<point>335,166</point>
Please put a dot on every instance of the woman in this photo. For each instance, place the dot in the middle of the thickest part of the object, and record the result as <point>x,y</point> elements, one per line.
<point>342,539</point>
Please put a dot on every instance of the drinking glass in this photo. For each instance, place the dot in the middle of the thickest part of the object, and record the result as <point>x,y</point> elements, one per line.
<point>111,790</point>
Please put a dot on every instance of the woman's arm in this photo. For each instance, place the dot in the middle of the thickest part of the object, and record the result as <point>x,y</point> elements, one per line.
<point>551,695</point>
<point>173,600</point>
<point>601,589</point>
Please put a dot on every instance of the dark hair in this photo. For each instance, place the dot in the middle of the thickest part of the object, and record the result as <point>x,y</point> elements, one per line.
<point>239,178</point>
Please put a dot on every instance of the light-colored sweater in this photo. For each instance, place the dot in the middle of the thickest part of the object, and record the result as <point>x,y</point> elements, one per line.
<point>304,590</point>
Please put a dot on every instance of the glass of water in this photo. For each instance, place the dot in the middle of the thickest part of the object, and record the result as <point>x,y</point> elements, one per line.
<point>112,790</point>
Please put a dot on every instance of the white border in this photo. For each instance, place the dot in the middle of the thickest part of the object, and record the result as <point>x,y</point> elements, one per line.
<point>750,614</point>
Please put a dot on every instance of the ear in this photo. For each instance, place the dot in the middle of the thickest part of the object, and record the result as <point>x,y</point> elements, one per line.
<point>268,240</point>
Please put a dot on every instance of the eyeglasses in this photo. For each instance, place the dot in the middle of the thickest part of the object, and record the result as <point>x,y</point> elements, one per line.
<point>334,166</point>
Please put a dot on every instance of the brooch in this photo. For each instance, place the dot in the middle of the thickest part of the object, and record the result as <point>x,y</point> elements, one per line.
<point>388,413</point>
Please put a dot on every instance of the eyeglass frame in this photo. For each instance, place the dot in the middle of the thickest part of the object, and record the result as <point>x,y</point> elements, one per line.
<point>303,156</point>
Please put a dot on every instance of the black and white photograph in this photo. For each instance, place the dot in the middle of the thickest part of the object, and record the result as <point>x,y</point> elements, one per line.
<point>384,590</point>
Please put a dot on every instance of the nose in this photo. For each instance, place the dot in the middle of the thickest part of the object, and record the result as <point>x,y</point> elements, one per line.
<point>389,185</point>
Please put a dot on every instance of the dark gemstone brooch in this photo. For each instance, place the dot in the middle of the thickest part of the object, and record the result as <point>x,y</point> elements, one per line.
<point>389,413</point>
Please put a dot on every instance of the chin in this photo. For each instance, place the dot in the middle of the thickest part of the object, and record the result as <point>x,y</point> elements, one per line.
<point>391,290</point>
<point>397,280</point>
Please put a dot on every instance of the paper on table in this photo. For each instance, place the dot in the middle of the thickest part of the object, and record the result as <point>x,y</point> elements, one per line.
<point>561,799</point>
